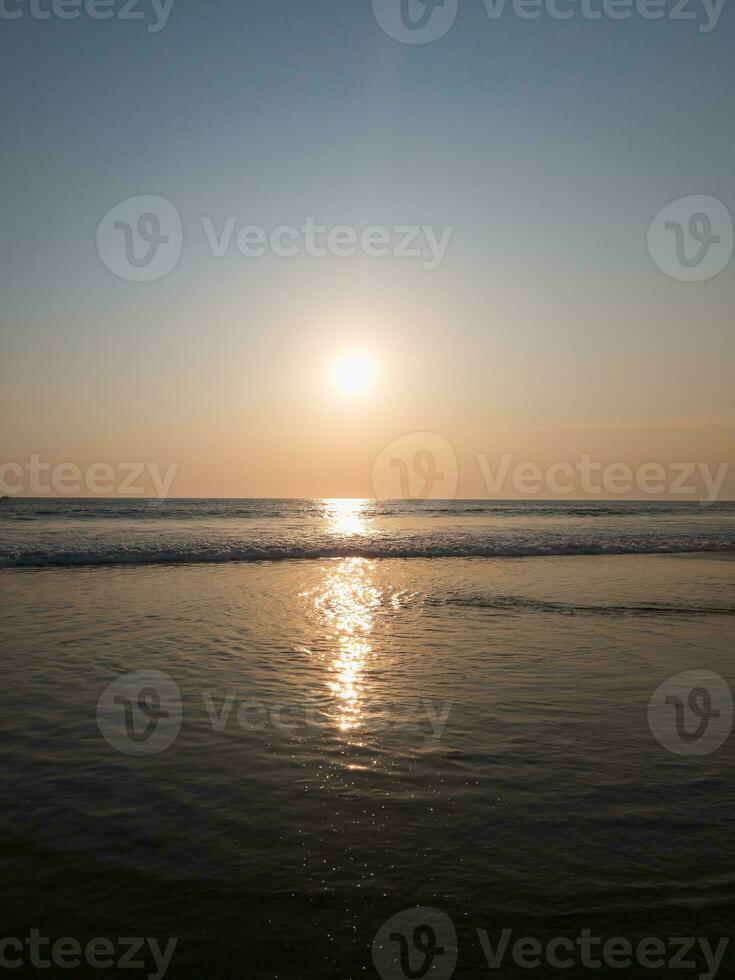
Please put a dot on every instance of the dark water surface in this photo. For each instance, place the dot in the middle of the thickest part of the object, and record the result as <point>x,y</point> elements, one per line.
<point>359,736</point>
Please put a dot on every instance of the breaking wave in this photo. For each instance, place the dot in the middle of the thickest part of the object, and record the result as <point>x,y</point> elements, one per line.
<point>199,553</point>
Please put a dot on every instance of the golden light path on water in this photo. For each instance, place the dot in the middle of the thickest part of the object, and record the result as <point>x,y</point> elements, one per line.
<point>347,516</point>
<point>346,603</point>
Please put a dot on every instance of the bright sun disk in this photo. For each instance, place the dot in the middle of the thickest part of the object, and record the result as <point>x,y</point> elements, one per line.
<point>353,373</point>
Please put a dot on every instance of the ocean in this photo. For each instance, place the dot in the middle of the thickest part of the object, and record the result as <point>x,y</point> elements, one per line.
<point>314,738</point>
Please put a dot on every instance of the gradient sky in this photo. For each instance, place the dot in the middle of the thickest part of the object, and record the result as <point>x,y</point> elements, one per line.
<point>546,332</point>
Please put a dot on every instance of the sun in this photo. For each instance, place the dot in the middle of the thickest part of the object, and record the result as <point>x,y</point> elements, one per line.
<point>353,373</point>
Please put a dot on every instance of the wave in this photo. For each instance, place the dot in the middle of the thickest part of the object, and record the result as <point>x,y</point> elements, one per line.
<point>247,509</point>
<point>511,603</point>
<point>193,553</point>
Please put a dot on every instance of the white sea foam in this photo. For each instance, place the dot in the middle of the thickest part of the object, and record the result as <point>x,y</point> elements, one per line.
<point>39,533</point>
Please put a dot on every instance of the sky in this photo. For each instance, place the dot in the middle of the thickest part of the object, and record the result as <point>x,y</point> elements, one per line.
<point>542,148</point>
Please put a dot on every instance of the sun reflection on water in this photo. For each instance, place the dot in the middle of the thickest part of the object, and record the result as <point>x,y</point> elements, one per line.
<point>346,604</point>
<point>346,516</point>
